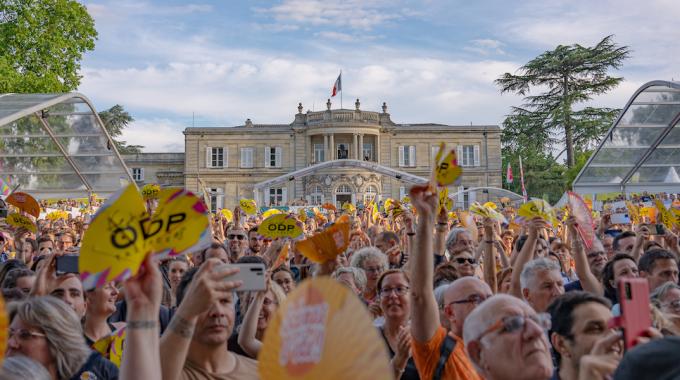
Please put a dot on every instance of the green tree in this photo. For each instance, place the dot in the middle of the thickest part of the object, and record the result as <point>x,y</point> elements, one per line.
<point>571,75</point>
<point>42,43</point>
<point>115,119</point>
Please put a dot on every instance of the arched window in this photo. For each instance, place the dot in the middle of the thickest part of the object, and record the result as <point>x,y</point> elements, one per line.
<point>343,189</point>
<point>370,194</point>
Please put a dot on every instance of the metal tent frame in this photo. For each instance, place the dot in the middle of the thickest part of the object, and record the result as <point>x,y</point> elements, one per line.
<point>55,145</point>
<point>641,150</point>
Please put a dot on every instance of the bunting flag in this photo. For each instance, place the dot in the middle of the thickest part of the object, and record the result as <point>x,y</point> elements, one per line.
<point>337,86</point>
<point>509,179</point>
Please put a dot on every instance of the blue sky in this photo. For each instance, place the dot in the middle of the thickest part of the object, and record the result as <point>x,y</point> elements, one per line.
<point>431,61</point>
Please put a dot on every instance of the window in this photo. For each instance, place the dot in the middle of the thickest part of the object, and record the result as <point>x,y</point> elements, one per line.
<point>402,192</point>
<point>319,153</point>
<point>368,152</point>
<point>216,199</point>
<point>247,157</point>
<point>272,157</point>
<point>138,174</point>
<point>343,151</point>
<point>407,156</point>
<point>434,149</point>
<point>371,194</point>
<point>468,155</point>
<point>276,196</point>
<point>216,157</point>
<point>316,197</point>
<point>343,189</point>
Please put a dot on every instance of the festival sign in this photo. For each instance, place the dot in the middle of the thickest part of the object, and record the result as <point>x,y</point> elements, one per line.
<point>248,206</point>
<point>150,191</point>
<point>322,331</point>
<point>24,202</point>
<point>122,233</point>
<point>327,244</point>
<point>583,217</point>
<point>280,226</point>
<point>21,221</point>
<point>538,208</point>
<point>228,214</point>
<point>446,171</point>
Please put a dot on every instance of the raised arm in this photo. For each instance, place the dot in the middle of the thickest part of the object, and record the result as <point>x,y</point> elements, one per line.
<point>489,255</point>
<point>641,236</point>
<point>246,337</point>
<point>424,313</point>
<point>525,255</point>
<point>588,280</point>
<point>207,287</point>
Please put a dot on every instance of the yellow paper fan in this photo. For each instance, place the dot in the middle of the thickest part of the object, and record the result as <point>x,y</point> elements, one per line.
<point>270,212</point>
<point>322,331</point>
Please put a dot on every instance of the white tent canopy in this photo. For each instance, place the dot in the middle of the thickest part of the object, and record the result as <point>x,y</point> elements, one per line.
<point>641,151</point>
<point>55,146</point>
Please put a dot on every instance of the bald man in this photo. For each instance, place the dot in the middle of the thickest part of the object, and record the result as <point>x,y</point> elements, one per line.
<point>461,298</point>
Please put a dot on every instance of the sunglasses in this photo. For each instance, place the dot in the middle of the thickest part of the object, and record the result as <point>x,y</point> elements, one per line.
<point>238,237</point>
<point>463,260</point>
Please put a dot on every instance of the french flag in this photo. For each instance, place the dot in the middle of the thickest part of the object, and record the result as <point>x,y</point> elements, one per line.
<point>337,87</point>
<point>508,175</point>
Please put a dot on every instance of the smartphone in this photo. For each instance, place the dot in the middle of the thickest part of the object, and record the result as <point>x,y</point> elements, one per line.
<point>67,264</point>
<point>252,275</point>
<point>635,313</point>
<point>620,219</point>
<point>658,230</point>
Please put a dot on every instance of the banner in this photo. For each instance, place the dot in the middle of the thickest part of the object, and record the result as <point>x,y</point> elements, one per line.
<point>24,202</point>
<point>122,233</point>
<point>323,331</point>
<point>280,226</point>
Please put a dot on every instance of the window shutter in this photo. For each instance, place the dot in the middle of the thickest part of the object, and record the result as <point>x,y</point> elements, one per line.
<point>476,150</point>
<point>401,156</point>
<point>141,174</point>
<point>219,197</point>
<point>284,196</point>
<point>402,193</point>
<point>225,157</point>
<point>208,157</point>
<point>433,153</point>
<point>412,156</point>
<point>472,197</point>
<point>267,157</point>
<point>278,157</point>
<point>459,154</point>
<point>267,196</point>
<point>244,164</point>
<point>461,196</point>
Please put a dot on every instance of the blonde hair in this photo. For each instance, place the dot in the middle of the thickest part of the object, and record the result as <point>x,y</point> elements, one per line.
<point>62,330</point>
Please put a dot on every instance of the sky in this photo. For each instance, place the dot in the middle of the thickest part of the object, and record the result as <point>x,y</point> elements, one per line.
<point>175,64</point>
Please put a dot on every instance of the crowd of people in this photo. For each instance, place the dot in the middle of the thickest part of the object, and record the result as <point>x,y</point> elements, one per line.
<point>450,300</point>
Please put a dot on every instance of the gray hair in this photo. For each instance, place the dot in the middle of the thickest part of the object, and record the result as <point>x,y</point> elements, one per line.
<point>367,253</point>
<point>439,294</point>
<point>23,367</point>
<point>533,267</point>
<point>452,237</point>
<point>62,330</point>
<point>357,273</point>
<point>660,292</point>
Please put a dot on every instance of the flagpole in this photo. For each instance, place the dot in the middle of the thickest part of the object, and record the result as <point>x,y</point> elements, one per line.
<point>521,177</point>
<point>341,89</point>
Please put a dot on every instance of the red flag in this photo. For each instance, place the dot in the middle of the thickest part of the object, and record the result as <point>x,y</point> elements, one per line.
<point>337,86</point>
<point>508,175</point>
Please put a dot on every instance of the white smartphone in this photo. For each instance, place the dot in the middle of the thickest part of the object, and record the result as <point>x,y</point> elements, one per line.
<point>620,219</point>
<point>252,275</point>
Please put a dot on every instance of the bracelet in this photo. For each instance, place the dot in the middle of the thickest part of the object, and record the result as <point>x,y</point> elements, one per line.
<point>410,233</point>
<point>141,325</point>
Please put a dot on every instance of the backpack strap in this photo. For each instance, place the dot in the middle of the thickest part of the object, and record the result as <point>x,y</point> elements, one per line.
<point>445,350</point>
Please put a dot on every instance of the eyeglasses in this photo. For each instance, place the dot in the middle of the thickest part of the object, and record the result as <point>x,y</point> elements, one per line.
<point>239,237</point>
<point>593,255</point>
<point>475,298</point>
<point>373,270</point>
<point>514,323</point>
<point>463,260</point>
<point>675,305</point>
<point>23,334</point>
<point>399,290</point>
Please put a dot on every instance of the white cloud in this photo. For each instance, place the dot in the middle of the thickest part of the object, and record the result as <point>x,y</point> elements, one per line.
<point>155,134</point>
<point>485,47</point>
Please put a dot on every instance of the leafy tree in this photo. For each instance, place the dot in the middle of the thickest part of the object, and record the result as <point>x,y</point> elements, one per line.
<point>42,43</point>
<point>571,75</point>
<point>115,119</point>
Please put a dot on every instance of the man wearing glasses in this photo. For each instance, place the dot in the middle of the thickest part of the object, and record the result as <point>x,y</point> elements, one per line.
<point>506,339</point>
<point>237,243</point>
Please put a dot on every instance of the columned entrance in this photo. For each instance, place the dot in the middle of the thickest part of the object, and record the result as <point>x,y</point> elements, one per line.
<point>343,194</point>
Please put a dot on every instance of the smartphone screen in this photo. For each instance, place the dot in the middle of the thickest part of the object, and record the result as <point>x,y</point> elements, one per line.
<point>252,275</point>
<point>67,264</point>
<point>659,230</point>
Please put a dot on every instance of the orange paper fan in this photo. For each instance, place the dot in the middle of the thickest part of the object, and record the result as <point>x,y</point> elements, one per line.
<point>327,244</point>
<point>329,206</point>
<point>322,331</point>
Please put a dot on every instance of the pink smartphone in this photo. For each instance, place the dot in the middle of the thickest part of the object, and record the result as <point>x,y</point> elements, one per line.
<point>635,313</point>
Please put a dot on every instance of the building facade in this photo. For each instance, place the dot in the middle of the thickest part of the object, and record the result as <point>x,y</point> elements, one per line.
<point>336,155</point>
<point>165,169</point>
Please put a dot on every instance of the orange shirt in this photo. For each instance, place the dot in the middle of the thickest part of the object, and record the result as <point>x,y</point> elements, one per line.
<point>426,355</point>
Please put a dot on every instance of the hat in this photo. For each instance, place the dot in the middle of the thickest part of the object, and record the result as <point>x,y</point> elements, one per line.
<point>656,360</point>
